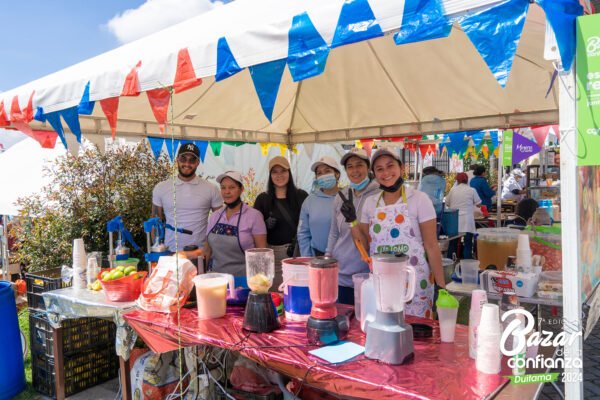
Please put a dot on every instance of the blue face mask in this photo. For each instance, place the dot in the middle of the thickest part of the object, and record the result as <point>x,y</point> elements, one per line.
<point>326,181</point>
<point>361,185</point>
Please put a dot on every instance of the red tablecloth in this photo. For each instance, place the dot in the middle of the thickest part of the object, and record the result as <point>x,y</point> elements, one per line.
<point>439,370</point>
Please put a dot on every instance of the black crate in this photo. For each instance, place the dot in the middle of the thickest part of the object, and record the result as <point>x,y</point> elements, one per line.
<point>83,370</point>
<point>77,334</point>
<point>40,282</point>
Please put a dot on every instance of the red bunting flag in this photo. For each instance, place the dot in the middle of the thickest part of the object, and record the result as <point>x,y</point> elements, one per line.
<point>47,139</point>
<point>110,107</point>
<point>159,102</point>
<point>3,116</point>
<point>20,119</point>
<point>426,149</point>
<point>540,133</point>
<point>131,87</point>
<point>185,76</point>
<point>367,144</point>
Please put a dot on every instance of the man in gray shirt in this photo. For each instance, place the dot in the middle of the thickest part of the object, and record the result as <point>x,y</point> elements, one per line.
<point>195,199</point>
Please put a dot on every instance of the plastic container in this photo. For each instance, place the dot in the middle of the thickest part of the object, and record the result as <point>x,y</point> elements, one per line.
<point>495,245</point>
<point>357,281</point>
<point>468,272</point>
<point>211,294</point>
<point>296,294</point>
<point>447,309</point>
<point>12,372</point>
<point>130,262</point>
<point>450,222</point>
<point>128,288</point>
<point>448,266</point>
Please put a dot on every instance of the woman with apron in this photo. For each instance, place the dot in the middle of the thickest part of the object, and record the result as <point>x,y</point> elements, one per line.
<point>233,229</point>
<point>400,219</point>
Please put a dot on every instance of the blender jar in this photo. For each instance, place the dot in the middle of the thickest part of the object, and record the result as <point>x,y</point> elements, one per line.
<point>260,269</point>
<point>394,281</point>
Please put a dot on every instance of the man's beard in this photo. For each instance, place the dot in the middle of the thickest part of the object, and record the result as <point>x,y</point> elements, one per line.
<point>184,175</point>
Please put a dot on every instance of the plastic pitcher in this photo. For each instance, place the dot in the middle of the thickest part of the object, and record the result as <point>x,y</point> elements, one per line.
<point>468,271</point>
<point>260,269</point>
<point>12,373</point>
<point>394,281</point>
<point>211,294</point>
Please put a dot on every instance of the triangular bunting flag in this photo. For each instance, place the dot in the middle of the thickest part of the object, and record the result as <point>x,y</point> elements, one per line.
<point>226,64</point>
<point>540,133</point>
<point>172,146</point>
<point>72,119</point>
<point>216,148</point>
<point>500,24</point>
<point>523,148</point>
<point>86,107</point>
<point>131,87</point>
<point>3,116</point>
<point>54,120</point>
<point>159,103</point>
<point>202,146</point>
<point>47,139</point>
<point>267,78</point>
<point>39,114</point>
<point>156,144</point>
<point>283,149</point>
<point>423,20</point>
<point>185,76</point>
<point>264,148</point>
<point>562,15</point>
<point>356,23</point>
<point>367,144</point>
<point>307,52</point>
<point>110,107</point>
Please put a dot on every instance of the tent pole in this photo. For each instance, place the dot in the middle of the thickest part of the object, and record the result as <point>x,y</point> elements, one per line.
<point>499,184</point>
<point>572,278</point>
<point>4,248</point>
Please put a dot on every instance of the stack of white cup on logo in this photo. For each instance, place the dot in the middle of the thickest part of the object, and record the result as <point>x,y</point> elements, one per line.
<point>478,299</point>
<point>79,264</point>
<point>489,333</point>
<point>524,253</point>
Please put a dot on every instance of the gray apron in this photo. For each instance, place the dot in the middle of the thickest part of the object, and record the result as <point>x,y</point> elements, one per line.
<point>227,253</point>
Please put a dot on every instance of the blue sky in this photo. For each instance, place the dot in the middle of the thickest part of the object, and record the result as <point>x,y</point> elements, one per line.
<point>43,36</point>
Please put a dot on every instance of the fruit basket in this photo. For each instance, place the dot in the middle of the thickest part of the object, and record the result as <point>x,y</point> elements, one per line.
<point>124,287</point>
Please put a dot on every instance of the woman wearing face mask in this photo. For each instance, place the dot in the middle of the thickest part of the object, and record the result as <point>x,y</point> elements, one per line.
<point>401,219</point>
<point>233,229</point>
<point>280,206</point>
<point>316,213</point>
<point>340,244</point>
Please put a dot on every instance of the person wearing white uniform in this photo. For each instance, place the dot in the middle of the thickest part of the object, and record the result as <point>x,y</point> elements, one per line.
<point>401,219</point>
<point>464,198</point>
<point>195,199</point>
<point>511,188</point>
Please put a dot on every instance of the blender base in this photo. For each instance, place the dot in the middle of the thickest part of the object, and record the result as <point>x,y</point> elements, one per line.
<point>260,315</point>
<point>389,339</point>
<point>327,331</point>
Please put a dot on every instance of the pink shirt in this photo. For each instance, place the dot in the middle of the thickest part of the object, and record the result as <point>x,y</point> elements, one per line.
<point>251,224</point>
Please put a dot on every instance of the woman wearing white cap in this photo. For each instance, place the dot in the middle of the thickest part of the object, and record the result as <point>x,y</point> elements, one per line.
<point>340,244</point>
<point>316,213</point>
<point>233,229</point>
<point>401,219</point>
<point>280,206</point>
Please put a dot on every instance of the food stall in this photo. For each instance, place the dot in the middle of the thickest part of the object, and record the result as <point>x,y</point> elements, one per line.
<point>205,60</point>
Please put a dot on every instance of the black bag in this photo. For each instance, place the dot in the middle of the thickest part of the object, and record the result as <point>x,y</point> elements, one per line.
<point>293,250</point>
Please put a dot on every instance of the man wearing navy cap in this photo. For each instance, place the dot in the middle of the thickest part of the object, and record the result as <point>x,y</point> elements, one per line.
<point>195,198</point>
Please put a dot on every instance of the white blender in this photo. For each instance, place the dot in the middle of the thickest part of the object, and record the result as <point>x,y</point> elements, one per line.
<point>389,337</point>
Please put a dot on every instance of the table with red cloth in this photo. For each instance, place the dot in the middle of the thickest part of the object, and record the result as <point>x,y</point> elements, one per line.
<point>438,371</point>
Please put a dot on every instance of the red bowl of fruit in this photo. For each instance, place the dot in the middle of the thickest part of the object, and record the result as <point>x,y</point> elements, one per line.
<point>122,284</point>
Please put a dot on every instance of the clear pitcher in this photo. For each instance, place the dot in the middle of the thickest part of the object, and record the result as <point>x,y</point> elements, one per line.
<point>211,294</point>
<point>394,282</point>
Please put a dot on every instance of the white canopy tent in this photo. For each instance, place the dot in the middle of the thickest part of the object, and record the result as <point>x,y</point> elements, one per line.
<point>369,89</point>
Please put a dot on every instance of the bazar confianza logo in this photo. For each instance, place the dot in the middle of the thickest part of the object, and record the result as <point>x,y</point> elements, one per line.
<point>592,47</point>
<point>523,337</point>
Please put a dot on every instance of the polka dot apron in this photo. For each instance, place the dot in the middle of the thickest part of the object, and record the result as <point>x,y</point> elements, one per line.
<point>392,229</point>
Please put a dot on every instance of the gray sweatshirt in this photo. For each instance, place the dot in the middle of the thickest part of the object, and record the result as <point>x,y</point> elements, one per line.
<point>340,244</point>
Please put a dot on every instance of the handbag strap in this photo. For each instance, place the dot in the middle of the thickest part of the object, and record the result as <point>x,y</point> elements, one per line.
<point>286,215</point>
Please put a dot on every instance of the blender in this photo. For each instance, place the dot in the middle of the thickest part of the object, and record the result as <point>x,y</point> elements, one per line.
<point>260,315</point>
<point>324,326</point>
<point>389,337</point>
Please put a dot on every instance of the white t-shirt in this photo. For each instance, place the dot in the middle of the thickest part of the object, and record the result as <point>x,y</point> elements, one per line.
<point>509,185</point>
<point>464,198</point>
<point>194,202</point>
<point>420,208</point>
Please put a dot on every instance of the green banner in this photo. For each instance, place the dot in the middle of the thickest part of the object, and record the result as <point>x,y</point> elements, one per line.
<point>507,144</point>
<point>588,89</point>
<point>533,378</point>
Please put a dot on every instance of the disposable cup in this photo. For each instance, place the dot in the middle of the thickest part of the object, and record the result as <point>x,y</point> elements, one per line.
<point>78,246</point>
<point>447,319</point>
<point>357,281</point>
<point>468,271</point>
<point>523,242</point>
<point>490,319</point>
<point>478,299</point>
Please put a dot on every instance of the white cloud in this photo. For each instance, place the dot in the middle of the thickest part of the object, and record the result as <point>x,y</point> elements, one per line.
<point>155,15</point>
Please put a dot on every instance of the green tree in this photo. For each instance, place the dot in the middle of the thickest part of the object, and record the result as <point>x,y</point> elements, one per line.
<point>86,192</point>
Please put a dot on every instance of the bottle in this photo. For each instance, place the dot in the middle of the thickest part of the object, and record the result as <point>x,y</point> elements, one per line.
<point>478,299</point>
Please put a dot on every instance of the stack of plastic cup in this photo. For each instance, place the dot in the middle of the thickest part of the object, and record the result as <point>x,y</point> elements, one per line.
<point>478,299</point>
<point>524,253</point>
<point>79,264</point>
<point>488,340</point>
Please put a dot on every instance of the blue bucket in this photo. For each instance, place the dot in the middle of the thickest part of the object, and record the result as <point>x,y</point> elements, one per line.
<point>12,371</point>
<point>450,222</point>
<point>296,294</point>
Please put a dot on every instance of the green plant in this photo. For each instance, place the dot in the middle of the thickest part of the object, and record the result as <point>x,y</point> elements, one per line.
<point>251,189</point>
<point>86,192</point>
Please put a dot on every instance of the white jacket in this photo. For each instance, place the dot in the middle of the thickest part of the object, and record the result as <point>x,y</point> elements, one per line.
<point>464,198</point>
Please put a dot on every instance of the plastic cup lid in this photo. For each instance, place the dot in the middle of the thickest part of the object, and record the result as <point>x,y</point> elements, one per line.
<point>446,300</point>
